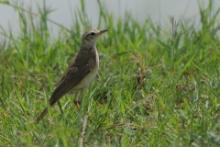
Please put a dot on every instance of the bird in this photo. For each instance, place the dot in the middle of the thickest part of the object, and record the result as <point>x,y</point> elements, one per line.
<point>80,73</point>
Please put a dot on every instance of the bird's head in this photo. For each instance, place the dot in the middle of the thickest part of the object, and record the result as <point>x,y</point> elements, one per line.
<point>89,38</point>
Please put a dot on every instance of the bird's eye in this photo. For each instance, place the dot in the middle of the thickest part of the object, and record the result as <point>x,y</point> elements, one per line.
<point>92,33</point>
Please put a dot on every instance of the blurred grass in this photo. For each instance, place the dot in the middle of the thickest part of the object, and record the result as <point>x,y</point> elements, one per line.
<point>156,86</point>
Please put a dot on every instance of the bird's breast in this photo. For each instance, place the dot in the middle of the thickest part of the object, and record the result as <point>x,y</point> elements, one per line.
<point>91,75</point>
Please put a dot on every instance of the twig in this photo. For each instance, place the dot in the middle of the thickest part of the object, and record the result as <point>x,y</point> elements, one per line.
<point>82,135</point>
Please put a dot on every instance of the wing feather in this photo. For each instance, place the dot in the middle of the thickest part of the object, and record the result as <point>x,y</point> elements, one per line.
<point>76,72</point>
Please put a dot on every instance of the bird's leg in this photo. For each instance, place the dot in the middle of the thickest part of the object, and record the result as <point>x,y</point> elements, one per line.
<point>60,107</point>
<point>77,100</point>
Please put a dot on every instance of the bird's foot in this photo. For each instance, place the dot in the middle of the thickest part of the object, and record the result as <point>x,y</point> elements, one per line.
<point>77,103</point>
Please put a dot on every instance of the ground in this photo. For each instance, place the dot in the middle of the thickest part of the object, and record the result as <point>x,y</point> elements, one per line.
<point>156,86</point>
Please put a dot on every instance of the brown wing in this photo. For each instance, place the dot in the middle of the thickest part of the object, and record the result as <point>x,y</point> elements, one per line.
<point>74,75</point>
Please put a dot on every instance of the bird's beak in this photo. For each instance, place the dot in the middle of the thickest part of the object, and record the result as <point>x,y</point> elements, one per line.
<point>102,31</point>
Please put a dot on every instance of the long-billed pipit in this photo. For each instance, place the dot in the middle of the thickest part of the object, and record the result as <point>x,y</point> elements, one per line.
<point>81,72</point>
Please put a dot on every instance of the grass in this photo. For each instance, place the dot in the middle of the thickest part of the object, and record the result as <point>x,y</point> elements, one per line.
<point>156,86</point>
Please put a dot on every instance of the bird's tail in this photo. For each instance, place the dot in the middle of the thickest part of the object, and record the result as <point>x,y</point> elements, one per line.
<point>41,115</point>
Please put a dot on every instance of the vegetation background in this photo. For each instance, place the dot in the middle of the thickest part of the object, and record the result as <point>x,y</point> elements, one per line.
<point>156,86</point>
